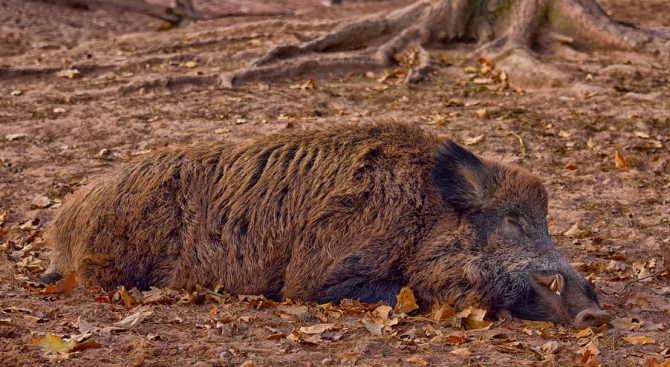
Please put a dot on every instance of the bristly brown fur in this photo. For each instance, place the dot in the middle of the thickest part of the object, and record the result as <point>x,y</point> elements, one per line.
<point>344,212</point>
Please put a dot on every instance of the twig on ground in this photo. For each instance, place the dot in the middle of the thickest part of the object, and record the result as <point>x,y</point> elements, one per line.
<point>646,277</point>
<point>523,147</point>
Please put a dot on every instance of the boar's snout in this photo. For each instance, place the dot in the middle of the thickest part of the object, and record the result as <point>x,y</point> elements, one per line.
<point>591,317</point>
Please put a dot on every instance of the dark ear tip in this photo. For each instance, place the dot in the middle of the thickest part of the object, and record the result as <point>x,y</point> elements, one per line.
<point>459,176</point>
<point>451,152</point>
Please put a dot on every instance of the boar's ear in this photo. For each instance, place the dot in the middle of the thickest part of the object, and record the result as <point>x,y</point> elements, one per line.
<point>459,176</point>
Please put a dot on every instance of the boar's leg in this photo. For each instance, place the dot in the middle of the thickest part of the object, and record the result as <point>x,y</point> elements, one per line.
<point>360,289</point>
<point>364,276</point>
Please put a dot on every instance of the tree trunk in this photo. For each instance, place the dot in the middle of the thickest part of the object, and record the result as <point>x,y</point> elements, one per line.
<point>509,33</point>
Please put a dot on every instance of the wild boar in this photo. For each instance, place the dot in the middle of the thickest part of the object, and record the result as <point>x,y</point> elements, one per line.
<point>322,215</point>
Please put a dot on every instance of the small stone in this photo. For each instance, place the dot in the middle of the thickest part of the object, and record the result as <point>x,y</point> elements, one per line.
<point>225,355</point>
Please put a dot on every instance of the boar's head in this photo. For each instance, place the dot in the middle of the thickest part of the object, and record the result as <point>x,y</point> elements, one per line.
<point>508,261</point>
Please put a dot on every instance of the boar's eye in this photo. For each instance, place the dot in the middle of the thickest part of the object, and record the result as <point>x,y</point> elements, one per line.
<point>515,225</point>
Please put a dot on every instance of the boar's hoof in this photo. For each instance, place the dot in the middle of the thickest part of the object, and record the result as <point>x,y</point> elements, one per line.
<point>51,278</point>
<point>504,315</point>
<point>591,317</point>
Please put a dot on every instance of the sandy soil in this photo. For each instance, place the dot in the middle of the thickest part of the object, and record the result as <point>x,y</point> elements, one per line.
<point>137,89</point>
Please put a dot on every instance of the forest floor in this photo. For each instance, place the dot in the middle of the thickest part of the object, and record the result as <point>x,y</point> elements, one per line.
<point>82,92</point>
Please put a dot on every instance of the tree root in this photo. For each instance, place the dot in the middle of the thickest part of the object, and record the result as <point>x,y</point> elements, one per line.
<point>509,33</point>
<point>180,81</point>
<point>175,15</point>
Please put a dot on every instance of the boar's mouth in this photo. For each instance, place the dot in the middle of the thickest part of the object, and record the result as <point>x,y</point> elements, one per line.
<point>569,301</point>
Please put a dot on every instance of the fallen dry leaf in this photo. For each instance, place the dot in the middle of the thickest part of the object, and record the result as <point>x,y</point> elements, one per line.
<point>483,114</point>
<point>484,62</point>
<point>619,161</point>
<point>128,300</point>
<point>442,311</point>
<point>372,327</point>
<point>639,340</point>
<point>455,338</point>
<point>642,134</point>
<point>654,363</point>
<point>134,319</point>
<point>482,81</point>
<point>18,136</point>
<point>85,345</point>
<point>64,285</point>
<point>380,88</point>
<point>406,301</point>
<point>156,295</point>
<point>626,323</point>
<point>589,359</point>
<point>3,217</point>
<point>69,73</point>
<point>383,311</point>
<point>40,202</point>
<point>309,84</point>
<point>276,336</point>
<point>475,140</point>
<point>418,360</point>
<point>591,347</point>
<point>461,352</point>
<point>109,330</point>
<point>350,357</point>
<point>54,344</point>
<point>292,310</point>
<point>583,333</point>
<point>473,318</point>
<point>552,347</point>
<point>500,338</point>
<point>395,73</point>
<point>7,322</point>
<point>317,329</point>
<point>650,326</point>
<point>574,231</point>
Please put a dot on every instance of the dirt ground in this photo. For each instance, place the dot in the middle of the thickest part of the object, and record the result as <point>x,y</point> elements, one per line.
<point>136,89</point>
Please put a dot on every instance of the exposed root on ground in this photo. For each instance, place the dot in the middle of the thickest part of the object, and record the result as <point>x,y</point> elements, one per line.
<point>180,81</point>
<point>174,15</point>
<point>511,33</point>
